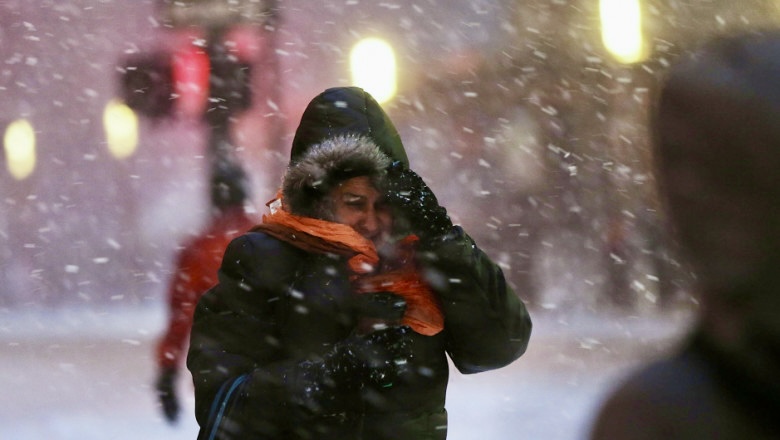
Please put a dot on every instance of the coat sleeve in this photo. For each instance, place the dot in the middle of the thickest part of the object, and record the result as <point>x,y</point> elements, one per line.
<point>194,274</point>
<point>486,323</point>
<point>235,333</point>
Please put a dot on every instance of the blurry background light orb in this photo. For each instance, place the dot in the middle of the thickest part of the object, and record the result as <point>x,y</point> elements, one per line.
<point>121,127</point>
<point>19,145</point>
<point>373,67</point>
<point>621,29</point>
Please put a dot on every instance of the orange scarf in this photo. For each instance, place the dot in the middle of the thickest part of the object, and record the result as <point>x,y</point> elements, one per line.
<point>423,312</point>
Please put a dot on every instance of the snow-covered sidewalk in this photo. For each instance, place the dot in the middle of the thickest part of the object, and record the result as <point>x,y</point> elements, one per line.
<point>85,374</point>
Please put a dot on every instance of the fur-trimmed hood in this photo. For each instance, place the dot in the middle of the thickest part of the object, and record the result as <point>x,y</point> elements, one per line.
<point>343,133</point>
<point>346,111</point>
<point>324,165</point>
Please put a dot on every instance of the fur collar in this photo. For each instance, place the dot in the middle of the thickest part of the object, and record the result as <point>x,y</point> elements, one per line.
<point>324,165</point>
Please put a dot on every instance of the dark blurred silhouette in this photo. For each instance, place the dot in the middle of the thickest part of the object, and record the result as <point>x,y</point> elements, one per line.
<point>195,272</point>
<point>717,147</point>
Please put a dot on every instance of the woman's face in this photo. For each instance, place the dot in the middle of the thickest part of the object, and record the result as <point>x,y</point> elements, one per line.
<point>357,203</point>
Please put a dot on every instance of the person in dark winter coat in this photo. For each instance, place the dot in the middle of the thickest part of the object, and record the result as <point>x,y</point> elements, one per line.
<point>333,319</point>
<point>195,272</point>
<point>717,128</point>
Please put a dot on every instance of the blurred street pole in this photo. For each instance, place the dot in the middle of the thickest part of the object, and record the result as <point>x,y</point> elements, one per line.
<point>230,79</point>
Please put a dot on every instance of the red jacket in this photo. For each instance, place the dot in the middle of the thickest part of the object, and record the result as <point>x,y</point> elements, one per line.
<point>195,272</point>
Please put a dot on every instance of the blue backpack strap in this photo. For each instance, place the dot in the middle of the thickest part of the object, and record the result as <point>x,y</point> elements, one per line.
<point>221,406</point>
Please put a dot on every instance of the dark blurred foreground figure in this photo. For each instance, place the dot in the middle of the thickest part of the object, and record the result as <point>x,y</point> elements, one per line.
<point>195,272</point>
<point>717,130</point>
<point>334,317</point>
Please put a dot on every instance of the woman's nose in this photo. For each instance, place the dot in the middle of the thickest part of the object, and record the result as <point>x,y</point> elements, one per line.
<point>370,223</point>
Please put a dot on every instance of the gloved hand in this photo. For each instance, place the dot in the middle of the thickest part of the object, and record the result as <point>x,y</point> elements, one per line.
<point>332,382</point>
<point>378,310</point>
<point>166,392</point>
<point>415,206</point>
<point>376,358</point>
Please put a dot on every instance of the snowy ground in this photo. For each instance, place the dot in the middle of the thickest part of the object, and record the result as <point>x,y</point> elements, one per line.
<point>86,375</point>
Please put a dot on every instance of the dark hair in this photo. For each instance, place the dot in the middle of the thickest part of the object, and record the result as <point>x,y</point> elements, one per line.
<point>228,186</point>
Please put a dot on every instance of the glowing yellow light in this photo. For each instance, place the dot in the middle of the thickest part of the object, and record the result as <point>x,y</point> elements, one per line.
<point>121,127</point>
<point>372,62</point>
<point>19,143</point>
<point>621,29</point>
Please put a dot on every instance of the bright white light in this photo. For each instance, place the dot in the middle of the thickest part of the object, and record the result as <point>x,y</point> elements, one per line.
<point>372,62</point>
<point>121,127</point>
<point>19,144</point>
<point>621,29</point>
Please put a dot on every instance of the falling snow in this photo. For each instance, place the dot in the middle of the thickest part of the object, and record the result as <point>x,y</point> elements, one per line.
<point>529,133</point>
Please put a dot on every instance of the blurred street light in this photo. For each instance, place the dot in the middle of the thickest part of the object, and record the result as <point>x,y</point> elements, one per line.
<point>621,29</point>
<point>146,85</point>
<point>190,76</point>
<point>190,82</point>
<point>121,128</point>
<point>19,144</point>
<point>373,66</point>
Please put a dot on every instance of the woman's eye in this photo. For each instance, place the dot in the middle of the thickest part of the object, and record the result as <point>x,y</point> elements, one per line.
<point>356,205</point>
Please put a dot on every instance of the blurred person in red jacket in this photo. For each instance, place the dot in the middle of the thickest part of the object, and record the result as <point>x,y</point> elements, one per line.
<point>195,272</point>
